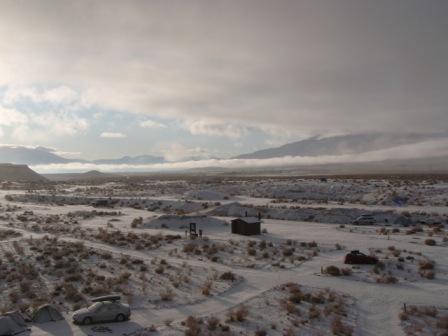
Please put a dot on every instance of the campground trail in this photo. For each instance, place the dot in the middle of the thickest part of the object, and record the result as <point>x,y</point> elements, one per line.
<point>378,304</point>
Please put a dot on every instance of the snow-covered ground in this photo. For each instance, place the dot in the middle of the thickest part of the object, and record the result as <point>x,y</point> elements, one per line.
<point>177,285</point>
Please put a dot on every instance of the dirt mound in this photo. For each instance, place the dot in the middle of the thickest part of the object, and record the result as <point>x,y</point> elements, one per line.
<point>19,173</point>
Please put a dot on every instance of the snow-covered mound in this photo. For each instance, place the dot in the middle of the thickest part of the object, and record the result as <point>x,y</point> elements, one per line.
<point>205,195</point>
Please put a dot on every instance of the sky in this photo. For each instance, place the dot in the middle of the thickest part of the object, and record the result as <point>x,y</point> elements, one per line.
<point>214,79</point>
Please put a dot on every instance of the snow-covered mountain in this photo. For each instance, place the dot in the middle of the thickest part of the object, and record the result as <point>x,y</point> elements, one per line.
<point>29,155</point>
<point>340,145</point>
<point>41,156</point>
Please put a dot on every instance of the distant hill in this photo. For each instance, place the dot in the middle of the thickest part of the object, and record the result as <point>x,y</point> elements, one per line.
<point>340,145</point>
<point>19,173</point>
<point>93,175</point>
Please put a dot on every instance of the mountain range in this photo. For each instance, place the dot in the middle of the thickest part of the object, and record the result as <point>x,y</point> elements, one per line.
<point>341,145</point>
<point>42,156</point>
<point>311,147</point>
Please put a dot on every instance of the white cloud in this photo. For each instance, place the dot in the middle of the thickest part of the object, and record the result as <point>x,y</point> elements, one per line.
<point>297,63</point>
<point>60,123</point>
<point>215,128</point>
<point>1,132</point>
<point>34,127</point>
<point>11,117</point>
<point>179,152</point>
<point>30,126</point>
<point>152,124</point>
<point>61,95</point>
<point>112,135</point>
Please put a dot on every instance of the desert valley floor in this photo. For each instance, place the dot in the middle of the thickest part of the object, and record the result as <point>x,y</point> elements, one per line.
<point>65,242</point>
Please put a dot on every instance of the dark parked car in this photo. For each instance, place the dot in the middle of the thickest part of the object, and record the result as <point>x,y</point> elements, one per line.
<point>358,258</point>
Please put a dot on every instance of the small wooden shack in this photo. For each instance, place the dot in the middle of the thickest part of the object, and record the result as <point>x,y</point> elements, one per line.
<point>247,226</point>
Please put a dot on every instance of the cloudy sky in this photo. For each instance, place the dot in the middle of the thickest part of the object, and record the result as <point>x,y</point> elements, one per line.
<point>98,79</point>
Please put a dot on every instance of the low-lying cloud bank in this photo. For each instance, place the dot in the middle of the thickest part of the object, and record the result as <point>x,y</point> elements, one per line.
<point>434,148</point>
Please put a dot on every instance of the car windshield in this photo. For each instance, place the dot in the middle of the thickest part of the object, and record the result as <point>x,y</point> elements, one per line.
<point>95,306</point>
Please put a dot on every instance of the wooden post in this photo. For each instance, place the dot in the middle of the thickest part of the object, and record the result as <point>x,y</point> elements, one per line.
<point>404,307</point>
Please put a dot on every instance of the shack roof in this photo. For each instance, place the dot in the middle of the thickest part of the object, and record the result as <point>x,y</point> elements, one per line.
<point>248,220</point>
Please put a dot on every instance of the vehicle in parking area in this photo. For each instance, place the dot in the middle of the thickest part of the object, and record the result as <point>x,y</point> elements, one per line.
<point>358,258</point>
<point>364,220</point>
<point>103,309</point>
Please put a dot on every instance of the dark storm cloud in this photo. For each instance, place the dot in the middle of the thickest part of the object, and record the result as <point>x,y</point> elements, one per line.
<point>310,65</point>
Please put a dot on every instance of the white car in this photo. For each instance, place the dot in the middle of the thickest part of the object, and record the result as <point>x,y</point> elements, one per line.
<point>364,220</point>
<point>105,309</point>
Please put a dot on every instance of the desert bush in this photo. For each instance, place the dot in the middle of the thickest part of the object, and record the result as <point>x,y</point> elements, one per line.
<point>430,242</point>
<point>288,306</point>
<point>160,269</point>
<point>386,279</point>
<point>426,264</point>
<point>442,322</point>
<point>251,251</point>
<point>189,248</point>
<point>312,244</point>
<point>313,312</point>
<point>403,316</point>
<point>339,328</point>
<point>193,327</point>
<point>228,276</point>
<point>238,315</point>
<point>332,270</point>
<point>212,323</point>
<point>206,288</point>
<point>287,252</point>
<point>430,275</point>
<point>167,294</point>
<point>241,313</point>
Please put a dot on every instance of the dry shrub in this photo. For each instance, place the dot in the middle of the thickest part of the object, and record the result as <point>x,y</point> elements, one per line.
<point>228,276</point>
<point>430,275</point>
<point>189,248</point>
<point>313,312</point>
<point>429,311</point>
<point>212,323</point>
<point>288,306</point>
<point>167,294</point>
<point>430,242</point>
<point>193,327</point>
<point>287,252</point>
<point>346,271</point>
<point>403,316</point>
<point>251,251</point>
<point>206,288</point>
<point>333,270</point>
<point>238,315</point>
<point>339,328</point>
<point>426,264</point>
<point>386,279</point>
<point>442,322</point>
<point>335,308</point>
<point>241,313</point>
